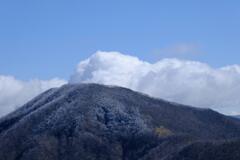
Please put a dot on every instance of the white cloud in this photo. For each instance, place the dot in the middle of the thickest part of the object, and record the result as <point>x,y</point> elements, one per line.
<point>14,93</point>
<point>188,82</point>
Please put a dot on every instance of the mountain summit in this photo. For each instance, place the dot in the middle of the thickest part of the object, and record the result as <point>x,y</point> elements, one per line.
<point>97,122</point>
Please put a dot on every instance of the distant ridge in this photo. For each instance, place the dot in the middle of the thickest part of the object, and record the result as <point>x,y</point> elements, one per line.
<point>238,116</point>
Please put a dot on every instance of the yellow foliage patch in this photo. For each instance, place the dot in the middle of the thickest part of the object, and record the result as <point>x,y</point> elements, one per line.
<point>163,132</point>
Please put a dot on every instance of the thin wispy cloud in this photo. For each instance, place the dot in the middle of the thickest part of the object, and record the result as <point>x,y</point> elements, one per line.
<point>179,50</point>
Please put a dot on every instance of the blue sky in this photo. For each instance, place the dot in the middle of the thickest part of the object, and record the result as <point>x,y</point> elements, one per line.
<point>47,38</point>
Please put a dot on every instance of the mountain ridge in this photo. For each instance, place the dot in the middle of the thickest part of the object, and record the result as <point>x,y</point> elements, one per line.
<point>92,121</point>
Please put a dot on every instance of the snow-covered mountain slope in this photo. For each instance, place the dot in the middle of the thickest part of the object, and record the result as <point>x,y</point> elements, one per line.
<point>92,121</point>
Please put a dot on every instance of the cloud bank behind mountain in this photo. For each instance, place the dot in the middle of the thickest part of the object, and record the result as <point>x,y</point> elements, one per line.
<point>188,82</point>
<point>14,92</point>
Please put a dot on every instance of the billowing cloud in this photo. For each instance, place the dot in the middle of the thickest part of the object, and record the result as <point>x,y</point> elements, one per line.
<point>188,82</point>
<point>14,93</point>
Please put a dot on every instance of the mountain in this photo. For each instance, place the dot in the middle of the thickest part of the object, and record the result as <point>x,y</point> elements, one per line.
<point>97,122</point>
